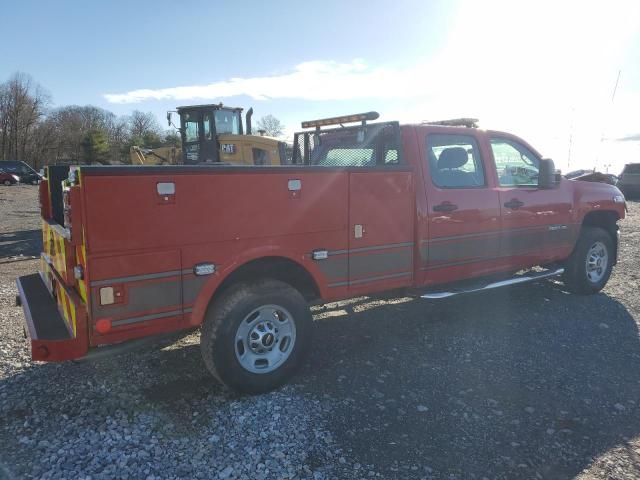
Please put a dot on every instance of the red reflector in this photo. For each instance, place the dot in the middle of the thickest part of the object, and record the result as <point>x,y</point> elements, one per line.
<point>103,325</point>
<point>43,352</point>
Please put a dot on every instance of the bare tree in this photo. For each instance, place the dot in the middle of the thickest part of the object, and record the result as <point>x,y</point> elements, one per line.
<point>71,125</point>
<point>22,105</point>
<point>31,132</point>
<point>271,126</point>
<point>141,124</point>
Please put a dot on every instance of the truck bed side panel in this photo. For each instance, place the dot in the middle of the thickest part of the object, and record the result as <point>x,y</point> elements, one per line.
<point>226,219</point>
<point>127,213</point>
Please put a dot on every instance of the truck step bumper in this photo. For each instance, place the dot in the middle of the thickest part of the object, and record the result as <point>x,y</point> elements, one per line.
<point>51,338</point>
<point>529,277</point>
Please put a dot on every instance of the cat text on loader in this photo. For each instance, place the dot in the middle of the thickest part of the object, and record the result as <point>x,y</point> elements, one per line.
<point>213,134</point>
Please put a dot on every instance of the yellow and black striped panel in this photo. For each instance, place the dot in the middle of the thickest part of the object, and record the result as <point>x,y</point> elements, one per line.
<point>81,257</point>
<point>54,246</point>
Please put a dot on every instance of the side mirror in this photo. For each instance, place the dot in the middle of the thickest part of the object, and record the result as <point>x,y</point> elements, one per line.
<point>547,176</point>
<point>169,118</point>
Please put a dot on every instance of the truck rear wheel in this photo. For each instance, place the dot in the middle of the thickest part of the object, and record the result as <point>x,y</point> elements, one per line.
<point>256,335</point>
<point>589,266</point>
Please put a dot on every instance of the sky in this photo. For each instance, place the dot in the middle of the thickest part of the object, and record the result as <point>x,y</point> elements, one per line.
<point>563,75</point>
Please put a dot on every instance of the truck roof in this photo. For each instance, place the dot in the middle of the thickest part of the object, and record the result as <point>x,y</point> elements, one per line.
<point>463,129</point>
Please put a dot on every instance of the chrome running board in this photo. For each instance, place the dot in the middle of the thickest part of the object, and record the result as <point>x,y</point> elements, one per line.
<point>532,277</point>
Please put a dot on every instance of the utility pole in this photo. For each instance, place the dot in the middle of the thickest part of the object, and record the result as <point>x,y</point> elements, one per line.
<point>573,110</point>
<point>615,88</point>
<point>613,96</point>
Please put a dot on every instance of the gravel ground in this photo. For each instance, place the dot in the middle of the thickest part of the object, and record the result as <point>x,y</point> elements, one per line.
<point>529,382</point>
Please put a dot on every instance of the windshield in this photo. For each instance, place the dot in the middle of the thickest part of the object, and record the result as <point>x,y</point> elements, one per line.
<point>227,121</point>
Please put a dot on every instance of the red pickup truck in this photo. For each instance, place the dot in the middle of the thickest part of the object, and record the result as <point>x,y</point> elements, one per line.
<point>434,209</point>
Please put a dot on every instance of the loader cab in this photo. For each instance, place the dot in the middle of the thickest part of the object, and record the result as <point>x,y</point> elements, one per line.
<point>200,126</point>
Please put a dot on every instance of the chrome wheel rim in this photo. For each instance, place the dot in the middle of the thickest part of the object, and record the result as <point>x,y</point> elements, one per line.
<point>265,339</point>
<point>597,262</point>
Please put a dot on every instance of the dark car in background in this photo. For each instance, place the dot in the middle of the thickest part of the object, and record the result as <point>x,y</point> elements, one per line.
<point>8,178</point>
<point>592,176</point>
<point>24,172</point>
<point>629,180</point>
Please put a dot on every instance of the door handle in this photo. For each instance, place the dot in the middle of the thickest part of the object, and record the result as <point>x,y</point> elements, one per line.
<point>445,207</point>
<point>514,204</point>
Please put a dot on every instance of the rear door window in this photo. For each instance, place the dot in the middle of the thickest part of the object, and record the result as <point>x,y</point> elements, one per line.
<point>455,161</point>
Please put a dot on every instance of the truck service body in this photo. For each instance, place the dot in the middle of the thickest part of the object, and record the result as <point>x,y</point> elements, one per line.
<point>133,252</point>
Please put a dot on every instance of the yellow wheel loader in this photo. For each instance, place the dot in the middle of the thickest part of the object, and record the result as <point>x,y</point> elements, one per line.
<point>213,134</point>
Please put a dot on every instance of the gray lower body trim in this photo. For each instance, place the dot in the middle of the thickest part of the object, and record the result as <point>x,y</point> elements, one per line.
<point>140,298</point>
<point>367,249</point>
<point>367,264</point>
<point>135,278</point>
<point>144,318</point>
<point>191,287</point>
<point>372,279</point>
<point>442,252</point>
<point>378,263</point>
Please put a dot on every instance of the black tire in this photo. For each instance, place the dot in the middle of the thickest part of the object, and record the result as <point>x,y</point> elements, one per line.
<point>218,341</point>
<point>575,273</point>
<point>7,182</point>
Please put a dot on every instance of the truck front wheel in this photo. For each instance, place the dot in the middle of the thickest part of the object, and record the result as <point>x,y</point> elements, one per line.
<point>589,267</point>
<point>256,335</point>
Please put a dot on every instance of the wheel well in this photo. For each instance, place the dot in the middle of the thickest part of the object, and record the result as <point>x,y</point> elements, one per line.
<point>606,220</point>
<point>277,268</point>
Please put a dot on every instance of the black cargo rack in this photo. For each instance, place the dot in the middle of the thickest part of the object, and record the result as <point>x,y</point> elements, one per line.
<point>455,122</point>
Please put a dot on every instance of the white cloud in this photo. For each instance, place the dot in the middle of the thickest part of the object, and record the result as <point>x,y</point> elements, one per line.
<point>543,69</point>
<point>314,80</point>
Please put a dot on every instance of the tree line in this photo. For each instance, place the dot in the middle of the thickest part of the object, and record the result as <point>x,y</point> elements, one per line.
<point>34,132</point>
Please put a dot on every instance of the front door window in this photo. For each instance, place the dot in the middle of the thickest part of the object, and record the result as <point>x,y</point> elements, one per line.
<point>515,163</point>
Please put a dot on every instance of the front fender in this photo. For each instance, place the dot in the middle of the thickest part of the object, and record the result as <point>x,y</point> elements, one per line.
<point>593,197</point>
